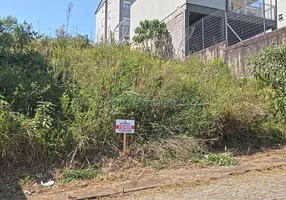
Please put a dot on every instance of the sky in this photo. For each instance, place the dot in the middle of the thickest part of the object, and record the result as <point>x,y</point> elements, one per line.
<point>47,15</point>
<point>257,4</point>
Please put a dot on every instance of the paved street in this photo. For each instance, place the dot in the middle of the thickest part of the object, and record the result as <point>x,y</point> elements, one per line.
<point>259,177</point>
<point>255,185</point>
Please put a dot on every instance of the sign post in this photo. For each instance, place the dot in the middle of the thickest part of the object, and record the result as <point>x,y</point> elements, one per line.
<point>124,143</point>
<point>125,126</point>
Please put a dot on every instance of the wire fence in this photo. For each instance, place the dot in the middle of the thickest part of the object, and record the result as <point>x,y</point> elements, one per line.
<point>122,31</point>
<point>239,23</point>
<point>206,32</point>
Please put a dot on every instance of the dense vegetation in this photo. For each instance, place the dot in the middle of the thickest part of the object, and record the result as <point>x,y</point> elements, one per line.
<point>59,98</point>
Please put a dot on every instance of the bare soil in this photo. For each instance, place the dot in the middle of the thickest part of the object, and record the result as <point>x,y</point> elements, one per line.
<point>126,181</point>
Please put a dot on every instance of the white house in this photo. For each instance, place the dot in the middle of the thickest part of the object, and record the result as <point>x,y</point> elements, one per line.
<point>113,17</point>
<point>180,15</point>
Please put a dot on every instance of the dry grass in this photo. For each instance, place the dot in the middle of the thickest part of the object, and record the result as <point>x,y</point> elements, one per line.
<point>157,154</point>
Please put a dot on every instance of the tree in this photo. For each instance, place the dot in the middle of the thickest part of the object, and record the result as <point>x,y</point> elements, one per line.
<point>14,35</point>
<point>153,36</point>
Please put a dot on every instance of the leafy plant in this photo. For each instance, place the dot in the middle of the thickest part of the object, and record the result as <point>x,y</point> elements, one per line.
<point>82,174</point>
<point>223,159</point>
<point>270,68</point>
<point>153,35</point>
<point>25,181</point>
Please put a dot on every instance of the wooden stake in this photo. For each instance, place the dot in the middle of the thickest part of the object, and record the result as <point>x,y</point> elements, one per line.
<point>124,144</point>
<point>248,150</point>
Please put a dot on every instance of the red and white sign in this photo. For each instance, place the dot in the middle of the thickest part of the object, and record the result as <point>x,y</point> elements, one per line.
<point>125,126</point>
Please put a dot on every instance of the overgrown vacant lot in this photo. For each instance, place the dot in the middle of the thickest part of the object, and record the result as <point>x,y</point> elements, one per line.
<point>59,98</point>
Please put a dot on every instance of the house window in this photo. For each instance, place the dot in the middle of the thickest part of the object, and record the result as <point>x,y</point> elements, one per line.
<point>127,19</point>
<point>126,26</point>
<point>280,17</point>
<point>126,5</point>
<point>102,23</point>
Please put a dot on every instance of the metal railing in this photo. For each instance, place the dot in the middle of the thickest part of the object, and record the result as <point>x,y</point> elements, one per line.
<point>239,23</point>
<point>122,31</point>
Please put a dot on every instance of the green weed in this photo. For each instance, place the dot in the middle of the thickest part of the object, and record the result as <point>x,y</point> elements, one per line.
<point>223,159</point>
<point>26,181</point>
<point>81,174</point>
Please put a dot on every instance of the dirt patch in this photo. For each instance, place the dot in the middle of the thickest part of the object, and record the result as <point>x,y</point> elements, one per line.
<point>134,179</point>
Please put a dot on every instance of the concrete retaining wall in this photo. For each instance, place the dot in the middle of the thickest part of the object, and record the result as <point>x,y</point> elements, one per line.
<point>236,56</point>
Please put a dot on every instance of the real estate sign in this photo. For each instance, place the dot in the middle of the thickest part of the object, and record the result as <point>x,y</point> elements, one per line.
<point>125,126</point>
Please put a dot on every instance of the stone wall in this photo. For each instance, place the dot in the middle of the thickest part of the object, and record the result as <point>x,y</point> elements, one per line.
<point>176,26</point>
<point>236,56</point>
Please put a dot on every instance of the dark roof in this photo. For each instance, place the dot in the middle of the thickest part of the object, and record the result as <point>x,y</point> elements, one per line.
<point>99,6</point>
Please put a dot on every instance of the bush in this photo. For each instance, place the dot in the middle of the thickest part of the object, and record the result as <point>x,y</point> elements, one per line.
<point>269,68</point>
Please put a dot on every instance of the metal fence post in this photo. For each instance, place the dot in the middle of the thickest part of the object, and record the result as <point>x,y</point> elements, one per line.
<point>264,23</point>
<point>226,29</point>
<point>203,33</point>
<point>271,10</point>
<point>275,12</point>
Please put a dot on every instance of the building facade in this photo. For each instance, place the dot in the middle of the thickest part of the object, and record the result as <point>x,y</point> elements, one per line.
<point>189,33</point>
<point>177,14</point>
<point>113,20</point>
<point>281,13</point>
